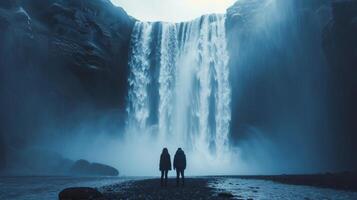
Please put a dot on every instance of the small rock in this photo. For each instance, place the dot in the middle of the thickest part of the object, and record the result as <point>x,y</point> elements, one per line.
<point>80,193</point>
<point>225,195</point>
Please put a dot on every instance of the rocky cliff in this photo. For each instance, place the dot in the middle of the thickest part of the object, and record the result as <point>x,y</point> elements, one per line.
<point>62,62</point>
<point>340,46</point>
<point>276,52</point>
<point>293,69</point>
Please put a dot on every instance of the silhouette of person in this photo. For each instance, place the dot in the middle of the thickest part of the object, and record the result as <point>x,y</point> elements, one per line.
<point>165,165</point>
<point>180,165</point>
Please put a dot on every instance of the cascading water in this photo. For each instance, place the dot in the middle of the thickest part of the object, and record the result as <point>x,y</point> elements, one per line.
<point>139,79</point>
<point>187,69</point>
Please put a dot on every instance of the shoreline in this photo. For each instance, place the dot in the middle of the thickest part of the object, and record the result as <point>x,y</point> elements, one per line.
<point>233,187</point>
<point>346,181</point>
<point>195,188</point>
<point>204,187</point>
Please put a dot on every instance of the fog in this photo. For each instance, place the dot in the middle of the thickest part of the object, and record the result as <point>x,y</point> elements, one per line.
<point>136,155</point>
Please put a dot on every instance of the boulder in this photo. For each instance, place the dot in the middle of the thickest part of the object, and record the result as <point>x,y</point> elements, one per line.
<point>80,193</point>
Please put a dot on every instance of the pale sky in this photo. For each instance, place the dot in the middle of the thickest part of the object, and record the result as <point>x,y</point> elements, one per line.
<point>172,10</point>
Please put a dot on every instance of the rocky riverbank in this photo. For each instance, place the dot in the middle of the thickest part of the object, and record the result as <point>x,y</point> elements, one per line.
<point>224,187</point>
<point>195,188</point>
<point>234,187</point>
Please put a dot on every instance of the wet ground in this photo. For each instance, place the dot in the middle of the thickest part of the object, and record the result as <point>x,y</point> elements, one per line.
<point>211,188</point>
<point>221,188</point>
<point>195,188</point>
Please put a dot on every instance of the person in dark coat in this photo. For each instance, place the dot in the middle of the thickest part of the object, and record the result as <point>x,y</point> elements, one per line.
<point>180,165</point>
<point>165,165</point>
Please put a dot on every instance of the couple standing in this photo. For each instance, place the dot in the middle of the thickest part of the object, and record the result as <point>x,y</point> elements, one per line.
<point>179,165</point>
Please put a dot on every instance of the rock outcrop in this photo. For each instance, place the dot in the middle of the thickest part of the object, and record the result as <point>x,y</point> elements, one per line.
<point>83,167</point>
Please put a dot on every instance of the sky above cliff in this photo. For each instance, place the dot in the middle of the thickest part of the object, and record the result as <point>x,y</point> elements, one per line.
<point>172,10</point>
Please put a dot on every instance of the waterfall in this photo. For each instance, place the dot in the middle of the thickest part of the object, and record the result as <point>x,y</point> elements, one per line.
<point>168,55</point>
<point>187,69</point>
<point>139,79</point>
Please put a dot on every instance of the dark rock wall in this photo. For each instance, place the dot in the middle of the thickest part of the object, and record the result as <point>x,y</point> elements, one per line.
<point>279,80</point>
<point>62,63</point>
<point>294,80</point>
<point>340,45</point>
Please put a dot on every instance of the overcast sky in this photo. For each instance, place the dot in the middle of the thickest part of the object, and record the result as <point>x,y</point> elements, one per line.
<point>172,10</point>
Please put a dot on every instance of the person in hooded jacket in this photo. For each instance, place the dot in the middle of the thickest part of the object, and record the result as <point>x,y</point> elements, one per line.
<point>165,165</point>
<point>180,165</point>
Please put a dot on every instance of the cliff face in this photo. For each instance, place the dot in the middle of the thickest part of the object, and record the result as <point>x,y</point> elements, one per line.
<point>293,69</point>
<point>277,60</point>
<point>279,78</point>
<point>340,45</point>
<point>62,61</point>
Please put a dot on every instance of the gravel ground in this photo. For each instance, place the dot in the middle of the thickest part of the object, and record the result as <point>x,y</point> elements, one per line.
<point>195,188</point>
<point>233,187</point>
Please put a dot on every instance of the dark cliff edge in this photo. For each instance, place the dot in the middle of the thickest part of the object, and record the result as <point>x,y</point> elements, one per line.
<point>287,60</point>
<point>340,46</point>
<point>62,62</point>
